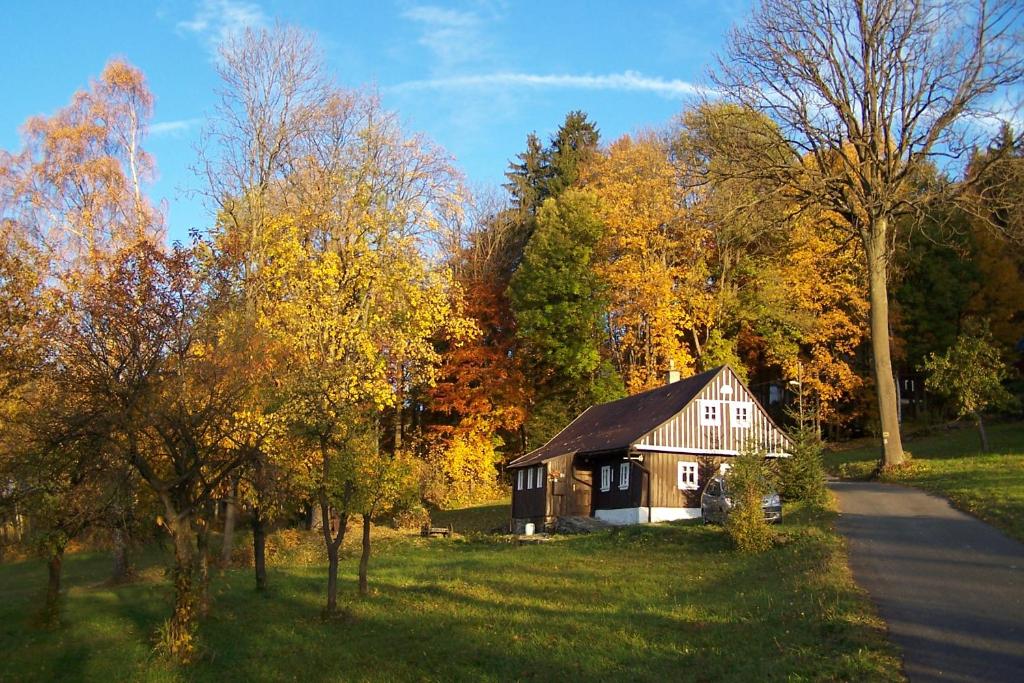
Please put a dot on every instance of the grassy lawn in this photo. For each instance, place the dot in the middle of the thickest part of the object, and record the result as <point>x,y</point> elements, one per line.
<point>949,463</point>
<point>670,602</point>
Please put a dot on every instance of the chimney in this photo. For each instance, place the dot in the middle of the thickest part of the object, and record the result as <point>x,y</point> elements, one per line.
<point>672,375</point>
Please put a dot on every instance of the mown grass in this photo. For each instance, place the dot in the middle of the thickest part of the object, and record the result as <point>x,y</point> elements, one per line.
<point>950,463</point>
<point>668,602</point>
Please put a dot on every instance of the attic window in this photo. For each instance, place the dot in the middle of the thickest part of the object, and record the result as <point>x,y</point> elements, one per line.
<point>623,476</point>
<point>688,476</point>
<point>606,478</point>
<point>741,414</point>
<point>709,414</point>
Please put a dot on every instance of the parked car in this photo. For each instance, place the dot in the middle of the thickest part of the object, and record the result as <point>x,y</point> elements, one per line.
<point>715,503</point>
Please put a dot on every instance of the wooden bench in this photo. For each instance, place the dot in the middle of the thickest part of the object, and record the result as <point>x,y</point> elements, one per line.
<point>427,531</point>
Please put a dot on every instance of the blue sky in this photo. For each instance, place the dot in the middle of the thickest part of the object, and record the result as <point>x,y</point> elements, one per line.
<point>475,76</point>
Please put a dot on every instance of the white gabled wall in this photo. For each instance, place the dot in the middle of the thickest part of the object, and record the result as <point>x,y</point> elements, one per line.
<point>685,433</point>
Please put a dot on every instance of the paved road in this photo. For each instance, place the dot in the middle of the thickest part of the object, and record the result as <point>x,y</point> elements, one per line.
<point>950,587</point>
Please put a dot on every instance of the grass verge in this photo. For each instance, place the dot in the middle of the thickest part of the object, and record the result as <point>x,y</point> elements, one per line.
<point>665,602</point>
<point>949,463</point>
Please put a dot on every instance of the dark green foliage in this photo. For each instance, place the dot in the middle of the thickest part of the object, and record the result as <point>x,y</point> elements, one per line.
<point>571,148</point>
<point>528,179</point>
<point>747,484</point>
<point>802,476</point>
<point>557,299</point>
<point>937,282</point>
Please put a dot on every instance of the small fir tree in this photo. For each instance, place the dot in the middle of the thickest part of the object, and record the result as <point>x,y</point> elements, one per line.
<point>747,483</point>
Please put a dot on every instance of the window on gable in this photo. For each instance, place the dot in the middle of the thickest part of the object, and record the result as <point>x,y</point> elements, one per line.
<point>688,476</point>
<point>741,414</point>
<point>540,477</point>
<point>624,476</point>
<point>709,414</point>
<point>529,478</point>
<point>519,480</point>
<point>606,478</point>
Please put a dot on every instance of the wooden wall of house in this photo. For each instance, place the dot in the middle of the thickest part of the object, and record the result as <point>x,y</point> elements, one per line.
<point>562,488</point>
<point>617,498</point>
<point>530,503</point>
<point>664,469</point>
<point>684,432</point>
<point>665,491</point>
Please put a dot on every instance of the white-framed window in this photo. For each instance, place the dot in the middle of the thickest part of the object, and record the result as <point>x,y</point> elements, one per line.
<point>623,476</point>
<point>529,478</point>
<point>519,480</point>
<point>540,477</point>
<point>709,413</point>
<point>741,413</point>
<point>606,478</point>
<point>688,476</point>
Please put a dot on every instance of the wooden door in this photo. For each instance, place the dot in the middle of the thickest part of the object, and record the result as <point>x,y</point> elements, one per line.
<point>580,499</point>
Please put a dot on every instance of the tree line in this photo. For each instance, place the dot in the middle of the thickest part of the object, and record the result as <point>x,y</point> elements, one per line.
<point>356,335</point>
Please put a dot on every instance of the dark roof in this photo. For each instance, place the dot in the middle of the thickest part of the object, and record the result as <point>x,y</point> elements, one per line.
<point>616,425</point>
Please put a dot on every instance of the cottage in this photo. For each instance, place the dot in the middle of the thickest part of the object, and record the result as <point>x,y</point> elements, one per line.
<point>645,457</point>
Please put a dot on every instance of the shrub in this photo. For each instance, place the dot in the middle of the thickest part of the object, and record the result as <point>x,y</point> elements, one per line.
<point>413,518</point>
<point>802,475</point>
<point>747,483</point>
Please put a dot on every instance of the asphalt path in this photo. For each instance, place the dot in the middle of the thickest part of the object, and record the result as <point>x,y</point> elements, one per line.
<point>950,587</point>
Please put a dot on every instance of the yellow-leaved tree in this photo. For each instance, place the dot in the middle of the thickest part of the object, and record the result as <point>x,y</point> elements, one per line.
<point>646,254</point>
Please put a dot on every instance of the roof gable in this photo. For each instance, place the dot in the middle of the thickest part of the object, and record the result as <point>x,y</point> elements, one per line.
<point>686,432</point>
<point>618,424</point>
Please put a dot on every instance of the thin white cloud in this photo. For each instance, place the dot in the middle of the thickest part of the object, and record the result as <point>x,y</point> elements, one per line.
<point>453,37</point>
<point>217,20</point>
<point>628,81</point>
<point>178,127</point>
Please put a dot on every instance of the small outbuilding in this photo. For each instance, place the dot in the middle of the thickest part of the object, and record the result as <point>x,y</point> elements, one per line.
<point>645,457</point>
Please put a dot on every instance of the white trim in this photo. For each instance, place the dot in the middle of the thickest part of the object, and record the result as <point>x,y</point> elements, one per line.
<point>529,477</point>
<point>606,477</point>
<point>625,516</point>
<point>687,475</point>
<point>710,413</point>
<point>623,475</point>
<point>742,422</point>
<point>519,480</point>
<point>540,476</point>
<point>698,451</point>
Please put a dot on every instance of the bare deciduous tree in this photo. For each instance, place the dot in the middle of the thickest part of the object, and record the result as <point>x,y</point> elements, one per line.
<point>871,94</point>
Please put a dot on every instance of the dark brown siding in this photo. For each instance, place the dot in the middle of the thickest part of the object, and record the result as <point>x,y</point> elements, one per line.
<point>665,478</point>
<point>530,503</point>
<point>616,498</point>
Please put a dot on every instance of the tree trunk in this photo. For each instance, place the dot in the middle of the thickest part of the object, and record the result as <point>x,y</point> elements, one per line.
<point>179,639</point>
<point>332,580</point>
<point>54,567</point>
<point>364,558</point>
<point>885,386</point>
<point>259,548</point>
<point>230,515</point>
<point>203,567</point>
<point>122,571</point>
<point>982,432</point>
